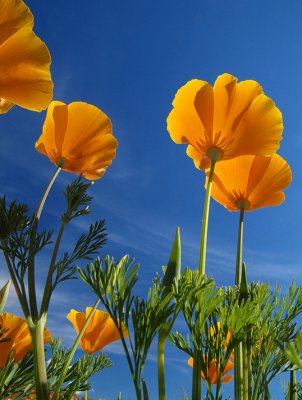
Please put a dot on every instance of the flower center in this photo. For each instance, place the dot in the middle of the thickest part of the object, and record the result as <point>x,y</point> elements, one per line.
<point>62,162</point>
<point>242,204</point>
<point>214,153</point>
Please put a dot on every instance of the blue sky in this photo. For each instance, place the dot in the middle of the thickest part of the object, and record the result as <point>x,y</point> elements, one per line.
<point>129,58</point>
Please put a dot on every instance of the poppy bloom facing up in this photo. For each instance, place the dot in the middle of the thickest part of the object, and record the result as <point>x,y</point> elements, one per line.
<point>100,331</point>
<point>251,182</point>
<point>24,60</point>
<point>78,138</point>
<point>213,371</point>
<point>224,121</point>
<point>19,342</point>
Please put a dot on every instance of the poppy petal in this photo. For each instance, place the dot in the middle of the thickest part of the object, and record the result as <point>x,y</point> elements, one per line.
<point>25,77</point>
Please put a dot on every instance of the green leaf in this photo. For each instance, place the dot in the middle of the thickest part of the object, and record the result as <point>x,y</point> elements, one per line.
<point>174,264</point>
<point>244,287</point>
<point>3,295</point>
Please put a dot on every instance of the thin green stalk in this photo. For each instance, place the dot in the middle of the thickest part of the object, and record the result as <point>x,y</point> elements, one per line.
<point>196,379</point>
<point>245,382</point>
<point>161,366</point>
<point>259,374</point>
<point>48,284</point>
<point>86,395</point>
<point>249,361</point>
<point>133,372</point>
<point>205,220</point>
<point>45,194</point>
<point>293,395</point>
<point>21,296</point>
<point>37,334</point>
<point>238,372</point>
<point>238,351</point>
<point>31,258</point>
<point>239,248</point>
<point>72,351</point>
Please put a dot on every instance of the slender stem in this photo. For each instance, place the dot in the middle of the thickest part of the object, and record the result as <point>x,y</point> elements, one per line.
<point>161,366</point>
<point>21,296</point>
<point>245,371</point>
<point>133,371</point>
<point>45,194</point>
<point>239,248</point>
<point>205,220</point>
<point>48,284</point>
<point>259,375</point>
<point>238,351</point>
<point>249,361</point>
<point>196,380</point>
<point>37,333</point>
<point>31,258</point>
<point>293,386</point>
<point>72,351</point>
<point>86,395</point>
<point>238,372</point>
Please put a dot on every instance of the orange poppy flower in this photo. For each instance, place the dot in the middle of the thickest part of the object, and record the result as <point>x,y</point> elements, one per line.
<point>19,342</point>
<point>24,60</point>
<point>78,137</point>
<point>213,370</point>
<point>224,121</point>
<point>100,331</point>
<point>251,182</point>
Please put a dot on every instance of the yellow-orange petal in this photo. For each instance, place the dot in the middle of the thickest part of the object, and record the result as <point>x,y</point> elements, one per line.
<point>213,371</point>
<point>259,130</point>
<point>227,379</point>
<point>99,332</point>
<point>232,118</point>
<point>5,106</point>
<point>20,341</point>
<point>25,76</point>
<point>184,123</point>
<point>14,15</point>
<point>79,138</point>
<point>257,180</point>
<point>224,89</point>
<point>200,161</point>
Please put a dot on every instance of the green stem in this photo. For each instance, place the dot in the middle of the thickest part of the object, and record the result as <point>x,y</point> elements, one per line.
<point>48,284</point>
<point>161,366</point>
<point>249,361</point>
<point>86,395</point>
<point>259,375</point>
<point>31,257</point>
<point>72,351</point>
<point>205,220</point>
<point>293,386</point>
<point>245,371</point>
<point>45,194</point>
<point>238,372</point>
<point>239,249</point>
<point>196,379</point>
<point>37,333</point>
<point>238,353</point>
<point>20,294</point>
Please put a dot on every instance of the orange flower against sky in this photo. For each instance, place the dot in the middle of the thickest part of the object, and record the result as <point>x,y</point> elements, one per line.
<point>78,137</point>
<point>24,60</point>
<point>213,370</point>
<point>251,182</point>
<point>224,121</point>
<point>100,331</point>
<point>20,340</point>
